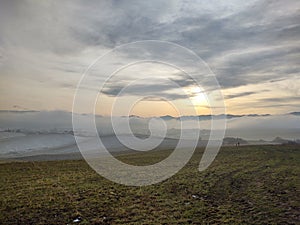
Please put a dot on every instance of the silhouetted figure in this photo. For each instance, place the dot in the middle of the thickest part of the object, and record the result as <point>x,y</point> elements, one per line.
<point>237,142</point>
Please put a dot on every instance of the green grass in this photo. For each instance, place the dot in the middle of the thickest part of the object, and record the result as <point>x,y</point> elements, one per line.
<point>248,185</point>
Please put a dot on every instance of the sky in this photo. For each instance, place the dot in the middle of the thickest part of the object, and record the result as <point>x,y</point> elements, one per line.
<point>252,48</point>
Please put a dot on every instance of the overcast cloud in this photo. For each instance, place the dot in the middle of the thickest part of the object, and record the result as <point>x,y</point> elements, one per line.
<point>45,46</point>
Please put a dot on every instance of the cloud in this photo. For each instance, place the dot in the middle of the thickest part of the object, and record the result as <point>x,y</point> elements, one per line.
<point>152,87</point>
<point>240,94</point>
<point>50,43</point>
<point>294,98</point>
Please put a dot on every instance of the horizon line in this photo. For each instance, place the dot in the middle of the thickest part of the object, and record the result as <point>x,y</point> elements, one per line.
<point>166,115</point>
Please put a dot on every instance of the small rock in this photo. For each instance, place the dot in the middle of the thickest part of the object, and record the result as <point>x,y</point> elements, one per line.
<point>77,220</point>
<point>195,196</point>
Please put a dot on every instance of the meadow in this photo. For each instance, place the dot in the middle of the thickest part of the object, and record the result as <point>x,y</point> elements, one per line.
<point>244,185</point>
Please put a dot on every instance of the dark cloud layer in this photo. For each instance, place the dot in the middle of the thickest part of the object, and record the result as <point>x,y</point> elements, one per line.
<point>243,43</point>
<point>253,44</point>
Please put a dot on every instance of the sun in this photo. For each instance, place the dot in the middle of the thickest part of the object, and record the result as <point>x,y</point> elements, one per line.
<point>198,97</point>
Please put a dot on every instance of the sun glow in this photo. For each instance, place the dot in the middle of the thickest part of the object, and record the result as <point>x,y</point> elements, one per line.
<point>198,97</point>
<point>199,100</point>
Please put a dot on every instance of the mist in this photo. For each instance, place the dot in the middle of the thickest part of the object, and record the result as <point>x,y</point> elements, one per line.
<point>247,127</point>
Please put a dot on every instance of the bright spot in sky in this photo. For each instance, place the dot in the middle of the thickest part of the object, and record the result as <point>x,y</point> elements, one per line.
<point>198,97</point>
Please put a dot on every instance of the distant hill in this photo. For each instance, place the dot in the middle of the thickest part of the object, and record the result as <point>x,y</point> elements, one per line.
<point>285,141</point>
<point>167,117</point>
<point>295,113</point>
<point>280,140</point>
<point>209,117</point>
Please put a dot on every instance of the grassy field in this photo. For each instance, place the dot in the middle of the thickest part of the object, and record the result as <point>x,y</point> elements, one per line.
<point>245,185</point>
